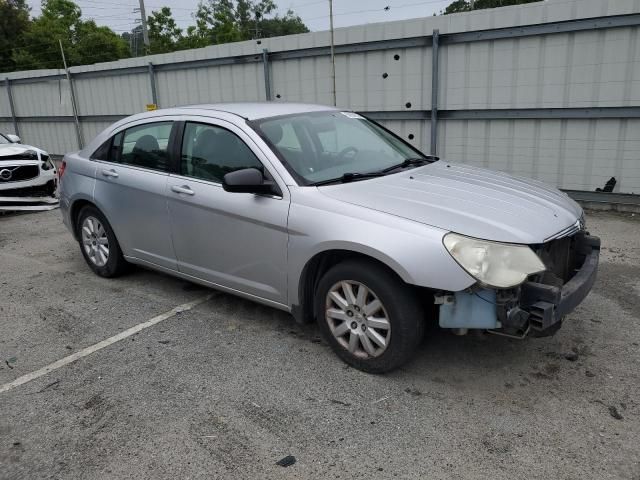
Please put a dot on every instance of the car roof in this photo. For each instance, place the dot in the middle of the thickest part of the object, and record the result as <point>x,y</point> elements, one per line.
<point>256,110</point>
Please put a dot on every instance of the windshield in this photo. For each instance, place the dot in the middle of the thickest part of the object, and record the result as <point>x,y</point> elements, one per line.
<point>4,140</point>
<point>321,146</point>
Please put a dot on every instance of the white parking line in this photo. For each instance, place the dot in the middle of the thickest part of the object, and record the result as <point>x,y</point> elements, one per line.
<point>99,346</point>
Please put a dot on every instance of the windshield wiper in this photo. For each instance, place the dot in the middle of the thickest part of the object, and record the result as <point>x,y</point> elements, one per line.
<point>352,176</point>
<point>349,177</point>
<point>410,162</point>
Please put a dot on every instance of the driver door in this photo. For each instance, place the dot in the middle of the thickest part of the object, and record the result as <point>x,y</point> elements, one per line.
<point>234,240</point>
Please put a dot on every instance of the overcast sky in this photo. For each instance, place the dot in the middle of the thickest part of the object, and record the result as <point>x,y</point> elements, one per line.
<point>119,15</point>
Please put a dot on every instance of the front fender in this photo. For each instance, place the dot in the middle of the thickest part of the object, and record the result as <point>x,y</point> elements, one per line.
<point>411,249</point>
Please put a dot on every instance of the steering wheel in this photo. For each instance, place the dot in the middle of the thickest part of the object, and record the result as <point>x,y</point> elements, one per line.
<point>346,151</point>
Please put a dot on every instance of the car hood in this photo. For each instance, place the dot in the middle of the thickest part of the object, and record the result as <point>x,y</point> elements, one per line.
<point>468,200</point>
<point>8,150</point>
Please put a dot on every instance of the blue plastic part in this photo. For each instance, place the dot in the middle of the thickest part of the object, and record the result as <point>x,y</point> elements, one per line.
<point>471,310</point>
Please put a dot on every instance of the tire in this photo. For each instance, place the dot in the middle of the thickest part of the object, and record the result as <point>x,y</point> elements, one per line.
<point>399,305</point>
<point>92,226</point>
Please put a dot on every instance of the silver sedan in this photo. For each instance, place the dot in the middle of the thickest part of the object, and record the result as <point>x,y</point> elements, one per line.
<point>332,217</point>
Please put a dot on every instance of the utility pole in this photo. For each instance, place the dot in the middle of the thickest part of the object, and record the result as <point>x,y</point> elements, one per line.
<point>145,32</point>
<point>333,57</point>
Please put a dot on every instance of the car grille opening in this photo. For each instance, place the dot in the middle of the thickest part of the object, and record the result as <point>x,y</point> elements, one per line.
<point>562,257</point>
<point>46,190</point>
<point>18,173</point>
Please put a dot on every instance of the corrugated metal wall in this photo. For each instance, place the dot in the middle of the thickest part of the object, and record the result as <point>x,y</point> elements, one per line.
<point>573,154</point>
<point>589,68</point>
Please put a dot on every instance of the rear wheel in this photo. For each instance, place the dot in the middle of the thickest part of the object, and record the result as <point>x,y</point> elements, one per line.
<point>371,319</point>
<point>98,244</point>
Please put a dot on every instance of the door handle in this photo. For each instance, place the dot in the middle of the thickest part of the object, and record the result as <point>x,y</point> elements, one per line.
<point>182,189</point>
<point>110,173</point>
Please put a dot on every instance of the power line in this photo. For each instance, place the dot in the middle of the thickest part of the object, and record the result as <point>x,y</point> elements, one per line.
<point>99,5</point>
<point>52,42</point>
<point>379,10</point>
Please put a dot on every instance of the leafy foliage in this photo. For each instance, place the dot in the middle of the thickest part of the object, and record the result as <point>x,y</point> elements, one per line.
<point>223,21</point>
<point>465,5</point>
<point>83,41</point>
<point>14,20</point>
<point>27,44</point>
<point>164,33</point>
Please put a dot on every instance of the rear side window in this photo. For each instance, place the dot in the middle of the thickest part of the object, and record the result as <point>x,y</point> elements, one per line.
<point>109,151</point>
<point>102,153</point>
<point>147,146</point>
<point>209,153</point>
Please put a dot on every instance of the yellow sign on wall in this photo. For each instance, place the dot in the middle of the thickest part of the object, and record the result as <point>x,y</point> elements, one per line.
<point>151,106</point>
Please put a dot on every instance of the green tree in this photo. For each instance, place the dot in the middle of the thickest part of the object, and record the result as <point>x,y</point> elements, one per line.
<point>164,34</point>
<point>14,20</point>
<point>83,41</point>
<point>290,24</point>
<point>222,21</point>
<point>465,5</point>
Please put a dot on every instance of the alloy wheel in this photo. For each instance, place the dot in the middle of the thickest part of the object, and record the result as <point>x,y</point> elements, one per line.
<point>95,241</point>
<point>357,319</point>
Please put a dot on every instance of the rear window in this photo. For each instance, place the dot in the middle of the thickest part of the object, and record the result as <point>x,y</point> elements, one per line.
<point>142,146</point>
<point>147,146</point>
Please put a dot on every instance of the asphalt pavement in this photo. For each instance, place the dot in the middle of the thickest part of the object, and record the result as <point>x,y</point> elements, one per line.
<point>228,388</point>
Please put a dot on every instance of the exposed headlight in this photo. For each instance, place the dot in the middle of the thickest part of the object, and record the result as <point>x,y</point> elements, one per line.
<point>47,164</point>
<point>493,264</point>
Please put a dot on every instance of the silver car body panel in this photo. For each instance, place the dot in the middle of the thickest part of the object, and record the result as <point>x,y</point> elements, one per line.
<point>258,246</point>
<point>250,230</point>
<point>472,201</point>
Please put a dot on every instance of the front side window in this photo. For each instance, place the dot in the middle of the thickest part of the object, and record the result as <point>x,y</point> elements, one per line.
<point>144,146</point>
<point>322,146</point>
<point>210,152</point>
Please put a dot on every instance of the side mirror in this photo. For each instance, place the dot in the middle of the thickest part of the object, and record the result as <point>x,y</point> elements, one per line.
<point>13,138</point>
<point>248,180</point>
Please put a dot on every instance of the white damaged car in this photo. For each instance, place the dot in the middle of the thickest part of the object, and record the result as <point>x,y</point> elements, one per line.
<point>28,177</point>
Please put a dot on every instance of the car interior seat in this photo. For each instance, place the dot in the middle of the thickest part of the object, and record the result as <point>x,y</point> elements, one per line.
<point>145,152</point>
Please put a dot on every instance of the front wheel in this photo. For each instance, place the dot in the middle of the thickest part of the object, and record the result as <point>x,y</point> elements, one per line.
<point>371,319</point>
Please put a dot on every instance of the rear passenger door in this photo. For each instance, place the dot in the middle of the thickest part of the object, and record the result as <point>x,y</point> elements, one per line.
<point>235,240</point>
<point>131,181</point>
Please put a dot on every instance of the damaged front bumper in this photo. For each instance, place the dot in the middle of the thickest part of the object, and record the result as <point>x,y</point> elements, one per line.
<point>547,305</point>
<point>32,198</point>
<point>538,306</point>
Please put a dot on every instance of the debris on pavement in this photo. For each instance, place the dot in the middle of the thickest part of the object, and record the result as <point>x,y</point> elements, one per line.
<point>571,356</point>
<point>613,411</point>
<point>414,392</point>
<point>52,384</point>
<point>286,461</point>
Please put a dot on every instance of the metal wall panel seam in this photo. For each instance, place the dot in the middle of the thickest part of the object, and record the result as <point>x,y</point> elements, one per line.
<point>152,81</point>
<point>474,114</point>
<point>12,107</point>
<point>434,92</point>
<point>267,79</point>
